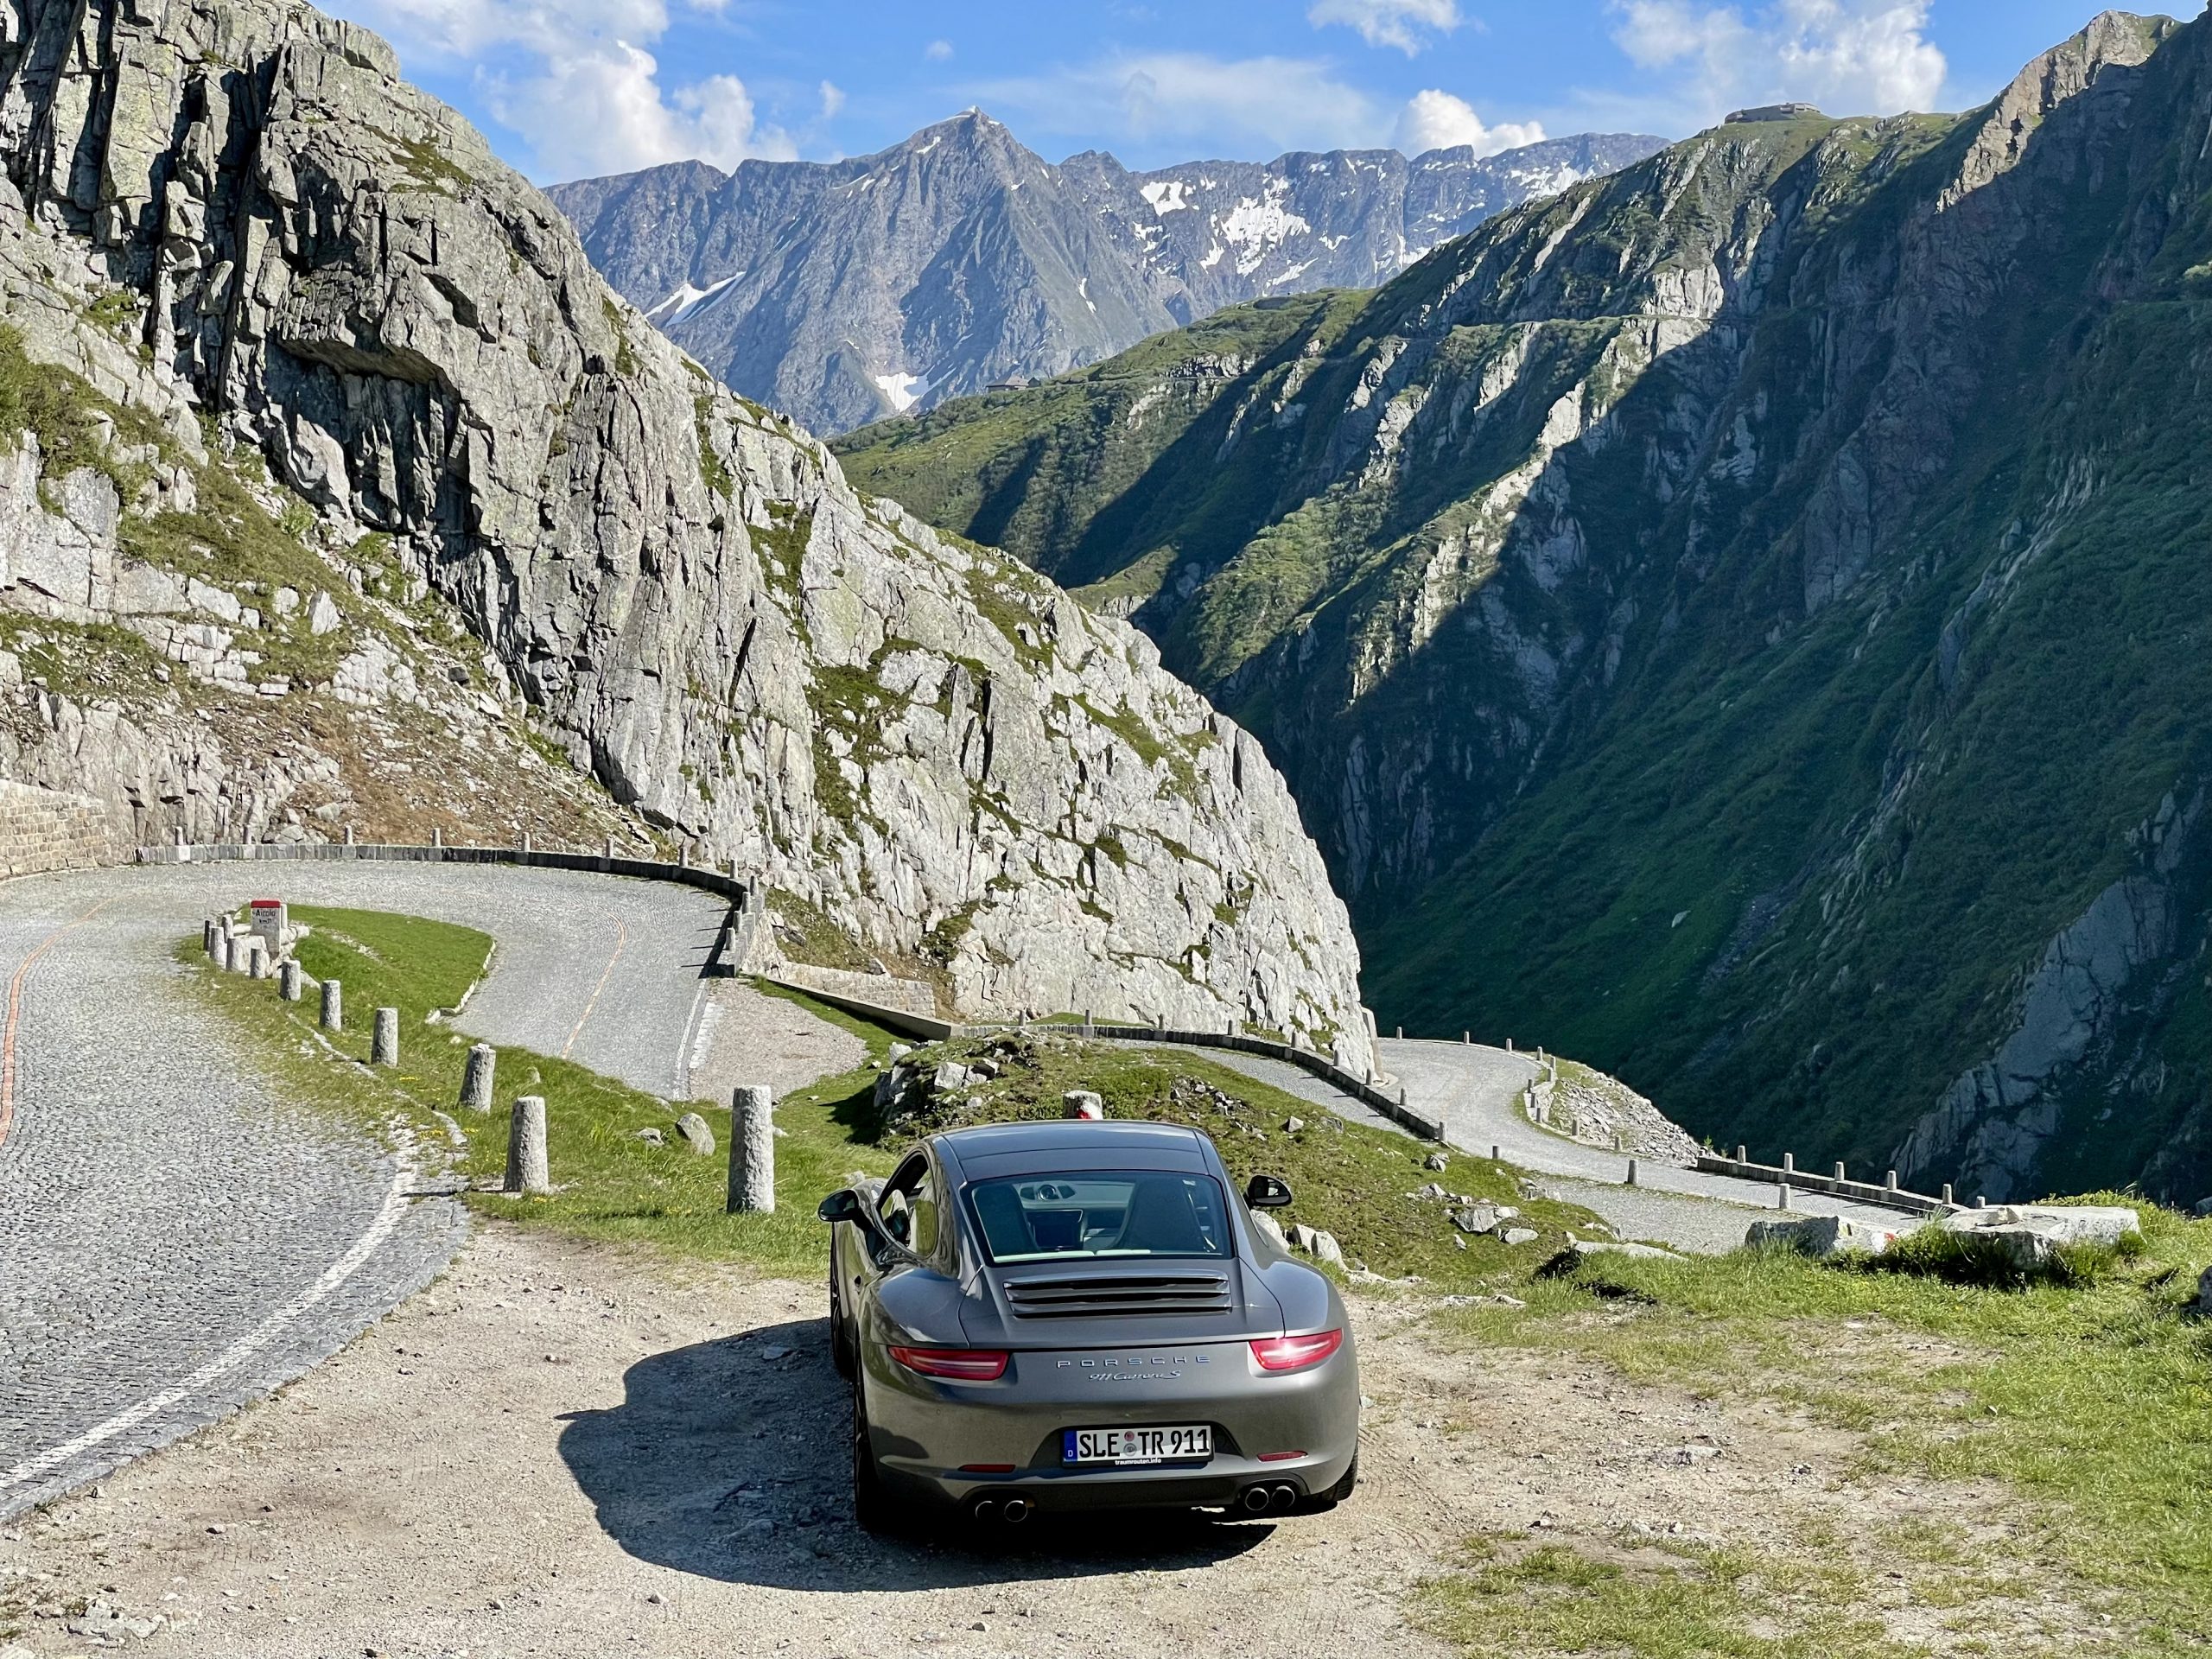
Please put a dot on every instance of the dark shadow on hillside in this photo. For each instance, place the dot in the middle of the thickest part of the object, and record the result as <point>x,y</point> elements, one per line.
<point>727,1463</point>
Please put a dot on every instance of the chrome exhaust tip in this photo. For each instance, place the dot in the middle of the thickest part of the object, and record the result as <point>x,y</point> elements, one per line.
<point>1281,1497</point>
<point>1255,1500</point>
<point>987,1511</point>
<point>1015,1511</point>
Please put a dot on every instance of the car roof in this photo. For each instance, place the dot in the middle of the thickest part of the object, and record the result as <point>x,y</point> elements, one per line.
<point>1053,1145</point>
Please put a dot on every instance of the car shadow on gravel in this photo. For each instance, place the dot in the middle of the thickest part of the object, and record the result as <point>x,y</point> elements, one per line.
<point>727,1459</point>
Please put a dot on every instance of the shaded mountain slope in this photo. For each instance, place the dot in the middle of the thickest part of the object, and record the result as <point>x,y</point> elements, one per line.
<point>1735,621</point>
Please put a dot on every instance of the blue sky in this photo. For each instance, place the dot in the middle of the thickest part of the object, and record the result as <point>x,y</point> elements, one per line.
<point>569,88</point>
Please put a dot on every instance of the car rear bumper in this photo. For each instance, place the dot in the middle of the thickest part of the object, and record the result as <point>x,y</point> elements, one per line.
<point>958,1444</point>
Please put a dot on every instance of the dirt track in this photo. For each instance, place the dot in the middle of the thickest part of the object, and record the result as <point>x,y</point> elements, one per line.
<point>561,1451</point>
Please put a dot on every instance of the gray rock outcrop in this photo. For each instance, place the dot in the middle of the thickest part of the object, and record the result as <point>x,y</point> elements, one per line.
<point>929,748</point>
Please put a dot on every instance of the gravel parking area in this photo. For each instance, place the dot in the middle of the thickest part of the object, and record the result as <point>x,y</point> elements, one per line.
<point>177,1239</point>
<point>566,1451</point>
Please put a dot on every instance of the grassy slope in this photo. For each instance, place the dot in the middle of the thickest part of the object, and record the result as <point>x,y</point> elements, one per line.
<point>2094,1406</point>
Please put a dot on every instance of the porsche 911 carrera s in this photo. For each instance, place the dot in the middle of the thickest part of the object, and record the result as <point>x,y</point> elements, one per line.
<point>1070,1315</point>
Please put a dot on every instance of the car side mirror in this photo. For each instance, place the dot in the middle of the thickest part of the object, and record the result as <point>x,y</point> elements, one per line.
<point>844,1204</point>
<point>1266,1192</point>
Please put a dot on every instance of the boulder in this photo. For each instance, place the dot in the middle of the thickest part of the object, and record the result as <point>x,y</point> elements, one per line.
<point>1519,1235</point>
<point>950,1078</point>
<point>1293,1125</point>
<point>1475,1218</point>
<point>1820,1235</point>
<point>1326,1249</point>
<point>1585,1248</point>
<point>1083,1104</point>
<point>696,1135</point>
<point>1436,1160</point>
<point>2204,1292</point>
<point>2029,1234</point>
<point>2201,1207</point>
<point>653,1137</point>
<point>1269,1229</point>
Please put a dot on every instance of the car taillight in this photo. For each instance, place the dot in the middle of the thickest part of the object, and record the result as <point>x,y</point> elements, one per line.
<point>1296,1353</point>
<point>961,1364</point>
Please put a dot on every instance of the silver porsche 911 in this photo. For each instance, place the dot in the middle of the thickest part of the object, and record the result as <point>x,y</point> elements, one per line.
<point>1074,1315</point>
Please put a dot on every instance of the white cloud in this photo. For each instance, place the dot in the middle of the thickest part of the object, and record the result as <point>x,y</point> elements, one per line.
<point>937,51</point>
<point>1436,120</point>
<point>1188,98</point>
<point>1851,57</point>
<point>833,99</point>
<point>576,81</point>
<point>1388,22</point>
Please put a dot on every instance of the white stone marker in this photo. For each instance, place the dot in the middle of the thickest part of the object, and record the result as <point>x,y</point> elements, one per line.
<point>334,1005</point>
<point>476,1078</point>
<point>752,1151</point>
<point>384,1046</point>
<point>1085,1104</point>
<point>526,1169</point>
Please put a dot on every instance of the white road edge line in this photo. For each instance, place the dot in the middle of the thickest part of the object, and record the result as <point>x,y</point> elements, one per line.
<point>379,1228</point>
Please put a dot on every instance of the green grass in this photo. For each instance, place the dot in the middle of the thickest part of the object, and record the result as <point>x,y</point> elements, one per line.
<point>611,1185</point>
<point>1674,1603</point>
<point>2094,1405</point>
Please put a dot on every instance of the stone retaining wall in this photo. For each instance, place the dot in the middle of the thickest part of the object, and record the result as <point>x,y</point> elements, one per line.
<point>50,829</point>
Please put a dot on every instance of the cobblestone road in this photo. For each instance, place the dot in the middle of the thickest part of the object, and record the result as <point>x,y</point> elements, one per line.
<point>174,1240</point>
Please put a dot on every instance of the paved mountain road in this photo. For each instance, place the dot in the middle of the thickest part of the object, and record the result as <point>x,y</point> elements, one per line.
<point>1471,1088</point>
<point>175,1239</point>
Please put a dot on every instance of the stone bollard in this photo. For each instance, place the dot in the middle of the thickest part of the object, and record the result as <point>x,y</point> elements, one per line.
<point>1401,1030</point>
<point>1946,1192</point>
<point>1493,1152</point>
<point>476,1078</point>
<point>288,980</point>
<point>1790,1163</point>
<point>1631,1172</point>
<point>207,935</point>
<point>1782,1196</point>
<point>1893,1180</point>
<point>257,959</point>
<point>438,838</point>
<point>1083,1104</point>
<point>1740,1158</point>
<point>333,1005</point>
<point>1467,1037</point>
<point>219,950</point>
<point>1839,1171</point>
<point>752,1151</point>
<point>526,1167</point>
<point>384,1046</point>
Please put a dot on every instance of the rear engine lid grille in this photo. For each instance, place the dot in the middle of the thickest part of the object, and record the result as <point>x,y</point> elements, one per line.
<point>1044,1296</point>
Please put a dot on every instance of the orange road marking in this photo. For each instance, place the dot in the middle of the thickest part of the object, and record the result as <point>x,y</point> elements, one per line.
<point>621,939</point>
<point>15,1014</point>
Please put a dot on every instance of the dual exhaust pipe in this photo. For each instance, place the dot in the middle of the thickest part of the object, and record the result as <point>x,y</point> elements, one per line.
<point>1255,1500</point>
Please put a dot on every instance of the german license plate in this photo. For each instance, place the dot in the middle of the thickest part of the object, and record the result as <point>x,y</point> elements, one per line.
<point>1183,1443</point>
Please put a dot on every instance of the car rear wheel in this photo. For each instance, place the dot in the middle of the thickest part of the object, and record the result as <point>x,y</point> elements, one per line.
<point>840,1342</point>
<point>1321,1502</point>
<point>871,1507</point>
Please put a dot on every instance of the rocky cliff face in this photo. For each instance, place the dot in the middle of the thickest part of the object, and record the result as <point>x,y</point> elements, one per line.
<point>489,471</point>
<point>839,293</point>
<point>1736,620</point>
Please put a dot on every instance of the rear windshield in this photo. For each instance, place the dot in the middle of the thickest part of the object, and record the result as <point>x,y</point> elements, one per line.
<point>1134,1212</point>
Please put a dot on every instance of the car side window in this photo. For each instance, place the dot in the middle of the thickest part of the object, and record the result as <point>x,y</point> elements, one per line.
<point>923,1205</point>
<point>896,1206</point>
